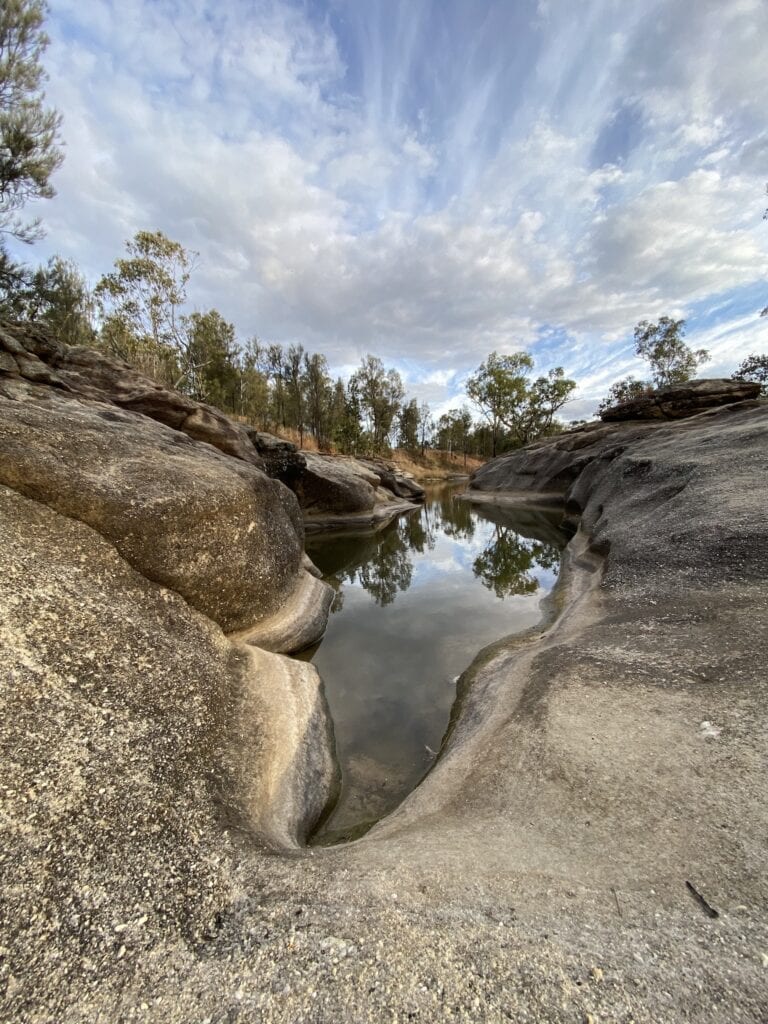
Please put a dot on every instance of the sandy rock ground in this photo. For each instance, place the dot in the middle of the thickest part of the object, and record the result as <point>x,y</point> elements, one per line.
<point>597,764</point>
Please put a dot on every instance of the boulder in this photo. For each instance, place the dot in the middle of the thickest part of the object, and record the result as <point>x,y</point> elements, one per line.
<point>400,484</point>
<point>131,729</point>
<point>175,499</point>
<point>334,484</point>
<point>681,400</point>
<point>37,356</point>
<point>595,766</point>
<point>281,458</point>
<point>546,469</point>
<point>337,492</point>
<point>215,529</point>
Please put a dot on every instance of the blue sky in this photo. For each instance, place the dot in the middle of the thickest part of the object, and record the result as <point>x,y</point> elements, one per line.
<point>429,180</point>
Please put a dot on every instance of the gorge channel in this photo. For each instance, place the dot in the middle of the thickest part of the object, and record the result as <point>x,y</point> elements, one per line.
<point>414,604</point>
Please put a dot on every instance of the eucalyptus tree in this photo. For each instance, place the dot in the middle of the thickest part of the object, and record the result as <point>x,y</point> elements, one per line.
<point>662,345</point>
<point>380,392</point>
<point>754,368</point>
<point>141,305</point>
<point>319,392</point>
<point>408,426</point>
<point>213,360</point>
<point>671,361</point>
<point>507,396</point>
<point>29,130</point>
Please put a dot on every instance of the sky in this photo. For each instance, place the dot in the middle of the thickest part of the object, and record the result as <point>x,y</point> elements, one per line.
<point>429,180</point>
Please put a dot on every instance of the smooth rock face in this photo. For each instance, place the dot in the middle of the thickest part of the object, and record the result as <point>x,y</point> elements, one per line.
<point>335,484</point>
<point>538,873</point>
<point>681,400</point>
<point>206,523</point>
<point>131,733</point>
<point>399,484</point>
<point>546,470</point>
<point>337,492</point>
<point>213,528</point>
<point>31,352</point>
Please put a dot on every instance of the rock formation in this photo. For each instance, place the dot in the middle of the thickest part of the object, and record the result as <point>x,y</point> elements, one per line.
<point>678,401</point>
<point>337,492</point>
<point>212,527</point>
<point>601,769</point>
<point>334,492</point>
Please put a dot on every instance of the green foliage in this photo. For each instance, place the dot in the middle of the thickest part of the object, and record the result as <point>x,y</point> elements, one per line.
<point>29,132</point>
<point>671,361</point>
<point>60,297</point>
<point>346,429</point>
<point>15,282</point>
<point>319,396</point>
<point>408,426</point>
<point>253,399</point>
<point>662,345</point>
<point>379,392</point>
<point>453,431</point>
<point>212,359</point>
<point>755,368</point>
<point>506,395</point>
<point>622,391</point>
<point>505,565</point>
<point>141,300</point>
<point>55,294</point>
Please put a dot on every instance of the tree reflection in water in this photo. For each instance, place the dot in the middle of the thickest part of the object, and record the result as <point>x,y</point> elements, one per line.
<point>382,563</point>
<point>506,563</point>
<point>414,603</point>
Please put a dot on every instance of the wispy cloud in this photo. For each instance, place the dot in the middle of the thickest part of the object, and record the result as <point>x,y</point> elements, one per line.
<point>427,179</point>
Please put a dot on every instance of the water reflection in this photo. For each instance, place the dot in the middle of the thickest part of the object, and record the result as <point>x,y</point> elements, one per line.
<point>414,604</point>
<point>382,564</point>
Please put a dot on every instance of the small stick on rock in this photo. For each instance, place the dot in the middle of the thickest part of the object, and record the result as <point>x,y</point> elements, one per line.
<point>708,910</point>
<point>616,897</point>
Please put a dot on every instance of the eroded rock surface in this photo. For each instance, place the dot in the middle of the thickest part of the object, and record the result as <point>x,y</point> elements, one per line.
<point>208,525</point>
<point>131,732</point>
<point>31,352</point>
<point>681,400</point>
<point>538,873</point>
<point>336,492</point>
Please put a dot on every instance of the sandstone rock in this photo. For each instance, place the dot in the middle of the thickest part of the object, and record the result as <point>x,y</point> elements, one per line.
<point>334,484</point>
<point>282,459</point>
<point>299,622</point>
<point>115,692</point>
<point>546,470</point>
<point>214,529</point>
<point>341,493</point>
<point>400,485</point>
<point>39,358</point>
<point>153,770</point>
<point>681,400</point>
<point>574,797</point>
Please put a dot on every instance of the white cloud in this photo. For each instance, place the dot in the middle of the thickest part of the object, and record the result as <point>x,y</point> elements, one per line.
<point>363,182</point>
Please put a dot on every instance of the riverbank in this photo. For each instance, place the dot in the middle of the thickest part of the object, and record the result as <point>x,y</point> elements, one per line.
<point>603,770</point>
<point>434,465</point>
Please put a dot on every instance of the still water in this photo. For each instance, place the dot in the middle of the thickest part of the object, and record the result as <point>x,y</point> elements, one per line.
<point>414,604</point>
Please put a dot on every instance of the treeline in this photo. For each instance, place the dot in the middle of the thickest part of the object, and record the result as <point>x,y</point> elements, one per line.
<point>136,313</point>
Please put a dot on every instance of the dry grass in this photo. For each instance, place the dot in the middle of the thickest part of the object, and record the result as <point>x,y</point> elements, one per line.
<point>434,464</point>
